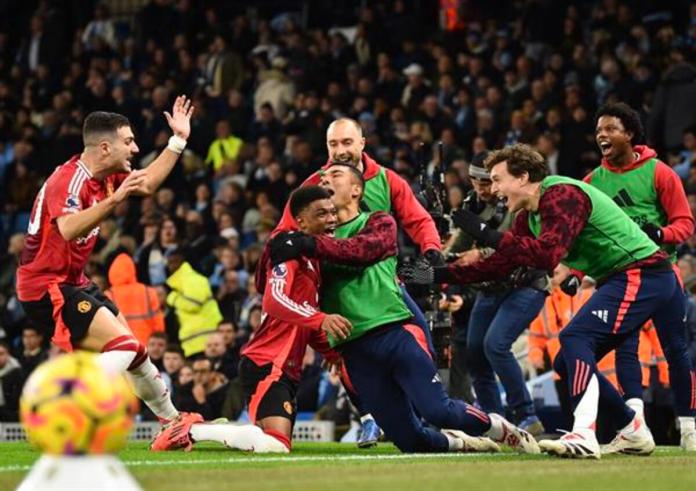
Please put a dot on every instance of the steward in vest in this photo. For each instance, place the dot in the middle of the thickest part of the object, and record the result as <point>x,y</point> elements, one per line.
<point>137,302</point>
<point>194,304</point>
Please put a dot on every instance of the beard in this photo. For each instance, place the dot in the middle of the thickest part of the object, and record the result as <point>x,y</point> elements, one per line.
<point>347,158</point>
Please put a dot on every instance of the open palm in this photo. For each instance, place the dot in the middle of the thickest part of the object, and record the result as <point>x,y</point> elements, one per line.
<point>180,118</point>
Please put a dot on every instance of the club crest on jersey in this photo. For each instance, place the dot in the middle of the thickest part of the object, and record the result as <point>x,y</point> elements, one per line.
<point>280,270</point>
<point>84,306</point>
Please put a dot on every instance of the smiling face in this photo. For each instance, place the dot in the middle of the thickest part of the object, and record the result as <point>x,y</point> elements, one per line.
<point>613,139</point>
<point>509,187</point>
<point>345,142</point>
<point>121,149</point>
<point>318,217</point>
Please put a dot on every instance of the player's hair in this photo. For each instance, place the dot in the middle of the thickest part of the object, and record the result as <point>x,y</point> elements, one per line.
<point>100,124</point>
<point>303,197</point>
<point>520,158</point>
<point>346,120</point>
<point>630,119</point>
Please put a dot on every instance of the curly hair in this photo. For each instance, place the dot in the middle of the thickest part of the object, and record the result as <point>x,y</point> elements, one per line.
<point>630,119</point>
<point>520,158</point>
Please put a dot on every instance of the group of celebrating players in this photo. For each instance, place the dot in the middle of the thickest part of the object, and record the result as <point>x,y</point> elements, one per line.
<point>330,280</point>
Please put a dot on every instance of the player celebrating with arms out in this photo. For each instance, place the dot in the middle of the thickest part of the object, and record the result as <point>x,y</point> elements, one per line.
<point>563,219</point>
<point>63,229</point>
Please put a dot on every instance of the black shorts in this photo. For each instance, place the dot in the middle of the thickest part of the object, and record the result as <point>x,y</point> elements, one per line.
<point>79,307</point>
<point>266,393</point>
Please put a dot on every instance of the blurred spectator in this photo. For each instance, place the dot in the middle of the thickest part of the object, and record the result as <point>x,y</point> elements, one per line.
<point>206,393</point>
<point>33,351</point>
<point>11,379</point>
<point>222,359</point>
<point>668,119</point>
<point>194,304</point>
<point>223,151</point>
<point>156,346</point>
<point>137,302</point>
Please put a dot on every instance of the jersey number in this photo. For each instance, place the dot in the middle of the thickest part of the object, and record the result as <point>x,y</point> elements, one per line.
<point>35,222</point>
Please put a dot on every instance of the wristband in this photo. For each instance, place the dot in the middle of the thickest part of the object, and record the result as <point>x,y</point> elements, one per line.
<point>176,144</point>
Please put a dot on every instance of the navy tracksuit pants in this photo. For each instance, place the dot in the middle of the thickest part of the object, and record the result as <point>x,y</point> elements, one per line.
<point>619,307</point>
<point>398,384</point>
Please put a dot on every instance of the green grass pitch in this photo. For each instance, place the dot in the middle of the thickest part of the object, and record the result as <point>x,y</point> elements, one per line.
<point>334,466</point>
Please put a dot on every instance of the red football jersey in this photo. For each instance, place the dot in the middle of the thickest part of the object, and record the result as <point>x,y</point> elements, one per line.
<point>47,257</point>
<point>291,318</point>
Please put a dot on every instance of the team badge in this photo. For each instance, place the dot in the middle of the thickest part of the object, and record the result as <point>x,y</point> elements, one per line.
<point>287,405</point>
<point>84,306</point>
<point>280,270</point>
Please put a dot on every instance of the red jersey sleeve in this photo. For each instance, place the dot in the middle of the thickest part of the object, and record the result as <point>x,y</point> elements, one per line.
<point>320,343</point>
<point>670,192</point>
<point>417,222</point>
<point>279,294</point>
<point>376,241</point>
<point>63,194</point>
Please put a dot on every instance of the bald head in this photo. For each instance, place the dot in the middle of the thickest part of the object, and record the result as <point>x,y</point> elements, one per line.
<point>345,142</point>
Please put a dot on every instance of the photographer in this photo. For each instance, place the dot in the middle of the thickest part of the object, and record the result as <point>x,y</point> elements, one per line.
<point>501,311</point>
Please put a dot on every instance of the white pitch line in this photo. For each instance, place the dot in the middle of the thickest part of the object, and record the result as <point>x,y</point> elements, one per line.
<point>288,458</point>
<point>300,458</point>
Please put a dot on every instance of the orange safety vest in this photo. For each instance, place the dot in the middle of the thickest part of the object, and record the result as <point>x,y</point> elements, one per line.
<point>137,302</point>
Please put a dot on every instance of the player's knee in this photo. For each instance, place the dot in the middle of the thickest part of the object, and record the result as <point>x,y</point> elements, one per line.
<point>131,344</point>
<point>410,442</point>
<point>495,348</point>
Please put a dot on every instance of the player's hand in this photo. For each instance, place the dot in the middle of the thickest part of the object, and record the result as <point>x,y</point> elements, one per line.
<point>474,226</point>
<point>570,285</point>
<point>291,245</point>
<point>336,326</point>
<point>135,183</point>
<point>180,118</point>
<point>654,232</point>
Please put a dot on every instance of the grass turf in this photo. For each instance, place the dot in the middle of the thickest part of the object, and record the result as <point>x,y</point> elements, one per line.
<point>337,466</point>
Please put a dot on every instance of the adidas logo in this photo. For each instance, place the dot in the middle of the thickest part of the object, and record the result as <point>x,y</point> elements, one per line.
<point>602,314</point>
<point>623,199</point>
<point>288,242</point>
<point>436,379</point>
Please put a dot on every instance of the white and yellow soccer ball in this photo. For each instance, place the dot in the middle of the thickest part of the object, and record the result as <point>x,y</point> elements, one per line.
<point>72,406</point>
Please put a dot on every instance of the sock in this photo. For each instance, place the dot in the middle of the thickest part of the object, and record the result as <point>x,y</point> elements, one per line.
<point>281,437</point>
<point>455,444</point>
<point>366,417</point>
<point>497,430</point>
<point>242,437</point>
<point>116,361</point>
<point>637,405</point>
<point>585,413</point>
<point>687,424</point>
<point>150,388</point>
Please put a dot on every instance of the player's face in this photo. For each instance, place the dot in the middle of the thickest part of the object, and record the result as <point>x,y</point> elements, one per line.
<point>341,184</point>
<point>482,188</point>
<point>508,187</point>
<point>612,138</point>
<point>318,218</point>
<point>123,149</point>
<point>345,143</point>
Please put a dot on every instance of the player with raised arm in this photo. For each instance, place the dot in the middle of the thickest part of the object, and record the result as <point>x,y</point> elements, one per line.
<point>566,220</point>
<point>63,229</point>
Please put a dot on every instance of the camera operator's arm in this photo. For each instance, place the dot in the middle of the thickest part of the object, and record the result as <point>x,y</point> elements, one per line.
<point>415,220</point>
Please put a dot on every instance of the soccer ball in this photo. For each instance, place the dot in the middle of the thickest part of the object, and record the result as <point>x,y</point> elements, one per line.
<point>72,406</point>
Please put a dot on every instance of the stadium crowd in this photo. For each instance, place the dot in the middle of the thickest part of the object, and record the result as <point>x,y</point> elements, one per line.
<point>266,84</point>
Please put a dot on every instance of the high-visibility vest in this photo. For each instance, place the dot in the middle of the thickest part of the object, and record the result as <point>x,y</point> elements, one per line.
<point>137,302</point>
